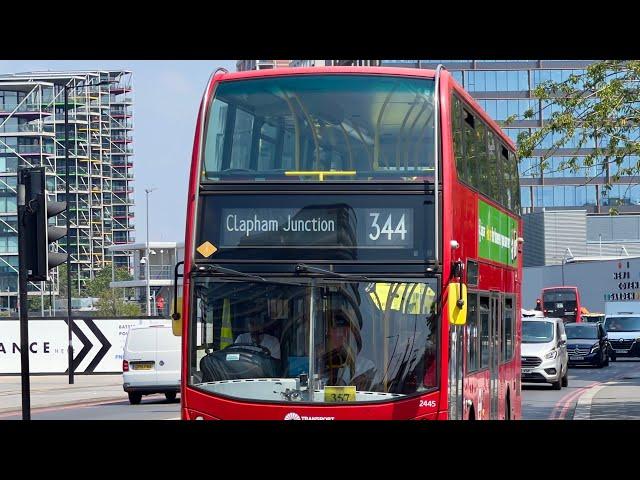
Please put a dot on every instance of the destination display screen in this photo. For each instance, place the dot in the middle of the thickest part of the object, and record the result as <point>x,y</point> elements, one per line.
<point>316,226</point>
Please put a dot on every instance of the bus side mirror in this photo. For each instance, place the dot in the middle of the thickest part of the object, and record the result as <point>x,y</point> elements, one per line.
<point>176,319</point>
<point>176,311</point>
<point>457,303</point>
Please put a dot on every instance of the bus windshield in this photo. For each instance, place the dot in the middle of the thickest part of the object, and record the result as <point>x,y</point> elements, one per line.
<point>560,303</point>
<point>319,128</point>
<point>332,341</point>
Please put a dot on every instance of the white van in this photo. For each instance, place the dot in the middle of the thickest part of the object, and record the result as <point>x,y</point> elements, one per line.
<point>151,362</point>
<point>544,351</point>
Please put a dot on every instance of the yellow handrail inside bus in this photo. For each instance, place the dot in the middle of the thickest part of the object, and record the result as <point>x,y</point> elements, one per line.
<point>321,174</point>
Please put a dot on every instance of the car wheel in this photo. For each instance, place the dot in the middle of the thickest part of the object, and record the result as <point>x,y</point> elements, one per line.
<point>606,360</point>
<point>171,396</point>
<point>557,385</point>
<point>565,379</point>
<point>135,398</point>
<point>612,356</point>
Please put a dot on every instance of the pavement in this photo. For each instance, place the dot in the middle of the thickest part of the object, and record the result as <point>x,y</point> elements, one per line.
<point>618,399</point>
<point>55,391</point>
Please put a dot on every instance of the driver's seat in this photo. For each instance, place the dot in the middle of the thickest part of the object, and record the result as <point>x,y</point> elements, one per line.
<point>237,363</point>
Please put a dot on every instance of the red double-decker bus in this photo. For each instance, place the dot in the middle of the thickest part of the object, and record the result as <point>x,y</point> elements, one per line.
<point>351,251</point>
<point>562,302</point>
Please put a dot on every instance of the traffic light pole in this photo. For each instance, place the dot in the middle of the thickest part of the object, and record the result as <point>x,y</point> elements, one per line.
<point>34,258</point>
<point>24,304</point>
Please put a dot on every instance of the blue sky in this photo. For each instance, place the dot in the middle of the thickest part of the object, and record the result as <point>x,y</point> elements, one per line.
<point>167,95</point>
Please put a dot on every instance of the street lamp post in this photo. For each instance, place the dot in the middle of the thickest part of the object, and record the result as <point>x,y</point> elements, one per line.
<point>148,254</point>
<point>67,199</point>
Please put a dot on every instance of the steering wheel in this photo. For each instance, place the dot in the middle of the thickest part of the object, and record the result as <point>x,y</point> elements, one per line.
<point>245,346</point>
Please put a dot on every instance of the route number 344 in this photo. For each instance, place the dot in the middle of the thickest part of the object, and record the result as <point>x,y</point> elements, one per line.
<point>387,227</point>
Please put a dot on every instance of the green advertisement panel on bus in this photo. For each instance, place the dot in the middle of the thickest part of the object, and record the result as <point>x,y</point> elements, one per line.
<point>497,235</point>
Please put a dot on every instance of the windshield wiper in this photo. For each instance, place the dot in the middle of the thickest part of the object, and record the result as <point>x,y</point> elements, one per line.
<point>303,267</point>
<point>213,268</point>
<point>217,268</point>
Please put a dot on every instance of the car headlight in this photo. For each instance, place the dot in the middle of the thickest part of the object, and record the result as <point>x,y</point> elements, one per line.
<point>551,354</point>
<point>595,348</point>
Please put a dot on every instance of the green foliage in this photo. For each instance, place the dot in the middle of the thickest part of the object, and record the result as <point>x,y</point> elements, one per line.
<point>603,104</point>
<point>35,303</point>
<point>62,279</point>
<point>111,304</point>
<point>100,283</point>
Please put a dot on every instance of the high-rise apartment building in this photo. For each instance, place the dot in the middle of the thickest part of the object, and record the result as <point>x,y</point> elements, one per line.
<point>32,134</point>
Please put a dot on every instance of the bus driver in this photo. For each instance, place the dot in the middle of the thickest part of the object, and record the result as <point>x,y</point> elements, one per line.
<point>339,358</point>
<point>256,336</point>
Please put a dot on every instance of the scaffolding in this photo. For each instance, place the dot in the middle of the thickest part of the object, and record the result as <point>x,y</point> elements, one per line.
<point>32,128</point>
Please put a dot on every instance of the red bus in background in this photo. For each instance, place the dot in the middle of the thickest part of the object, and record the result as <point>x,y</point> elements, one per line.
<point>351,250</point>
<point>562,302</point>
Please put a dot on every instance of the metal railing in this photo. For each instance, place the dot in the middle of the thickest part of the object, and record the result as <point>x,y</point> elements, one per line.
<point>24,107</point>
<point>157,272</point>
<point>28,149</point>
<point>28,127</point>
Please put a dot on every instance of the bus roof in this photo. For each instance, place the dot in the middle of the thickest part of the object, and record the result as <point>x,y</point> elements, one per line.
<point>395,71</point>
<point>560,288</point>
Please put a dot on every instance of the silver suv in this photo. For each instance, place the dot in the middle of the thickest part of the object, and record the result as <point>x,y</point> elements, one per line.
<point>544,351</point>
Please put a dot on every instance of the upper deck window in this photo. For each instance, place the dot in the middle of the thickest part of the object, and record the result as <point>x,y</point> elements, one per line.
<point>321,128</point>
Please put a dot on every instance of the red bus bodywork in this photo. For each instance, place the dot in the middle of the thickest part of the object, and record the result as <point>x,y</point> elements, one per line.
<point>460,224</point>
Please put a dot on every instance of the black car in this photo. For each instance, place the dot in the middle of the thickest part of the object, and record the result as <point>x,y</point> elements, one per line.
<point>588,344</point>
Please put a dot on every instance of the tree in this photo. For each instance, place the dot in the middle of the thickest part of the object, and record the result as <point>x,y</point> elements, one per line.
<point>62,280</point>
<point>111,304</point>
<point>102,279</point>
<point>35,302</point>
<point>600,105</point>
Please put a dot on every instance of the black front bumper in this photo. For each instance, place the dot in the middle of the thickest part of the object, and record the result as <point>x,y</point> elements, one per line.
<point>149,389</point>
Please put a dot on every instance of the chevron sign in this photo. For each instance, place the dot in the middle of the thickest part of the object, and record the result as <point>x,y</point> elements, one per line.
<point>98,345</point>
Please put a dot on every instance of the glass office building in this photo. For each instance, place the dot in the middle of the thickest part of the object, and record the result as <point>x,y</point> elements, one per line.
<point>504,88</point>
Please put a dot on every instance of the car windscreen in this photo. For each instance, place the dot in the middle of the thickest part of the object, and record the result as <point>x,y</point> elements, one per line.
<point>537,332</point>
<point>622,324</point>
<point>581,331</point>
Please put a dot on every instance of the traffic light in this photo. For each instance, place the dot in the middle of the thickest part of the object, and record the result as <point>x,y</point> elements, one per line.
<point>38,233</point>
